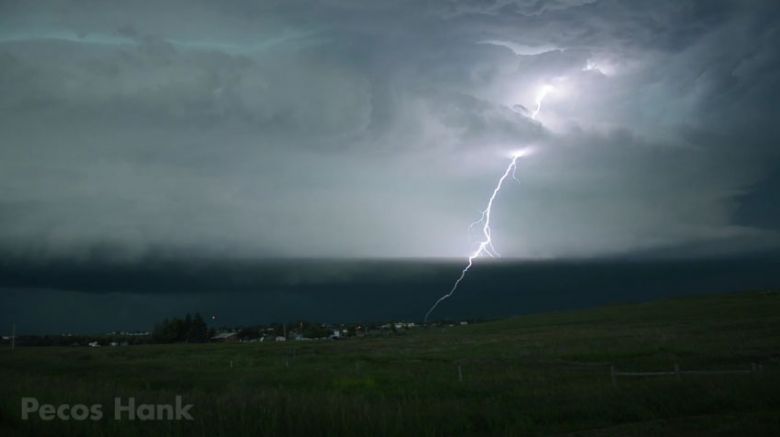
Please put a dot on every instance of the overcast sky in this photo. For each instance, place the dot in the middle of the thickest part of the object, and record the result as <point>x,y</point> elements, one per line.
<point>363,128</point>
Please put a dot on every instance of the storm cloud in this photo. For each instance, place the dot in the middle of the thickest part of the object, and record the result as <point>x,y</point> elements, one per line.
<point>367,129</point>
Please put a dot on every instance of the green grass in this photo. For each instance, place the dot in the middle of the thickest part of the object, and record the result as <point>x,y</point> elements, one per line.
<point>535,375</point>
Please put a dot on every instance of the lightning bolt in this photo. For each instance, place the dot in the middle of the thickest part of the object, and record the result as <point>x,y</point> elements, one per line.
<point>539,98</point>
<point>486,245</point>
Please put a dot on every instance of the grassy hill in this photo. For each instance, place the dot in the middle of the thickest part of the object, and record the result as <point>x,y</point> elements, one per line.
<point>545,374</point>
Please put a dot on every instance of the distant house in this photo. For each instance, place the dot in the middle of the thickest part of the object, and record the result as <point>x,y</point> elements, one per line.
<point>93,344</point>
<point>225,337</point>
<point>280,338</point>
<point>404,325</point>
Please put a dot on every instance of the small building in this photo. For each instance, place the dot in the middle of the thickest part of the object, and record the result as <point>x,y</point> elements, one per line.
<point>225,337</point>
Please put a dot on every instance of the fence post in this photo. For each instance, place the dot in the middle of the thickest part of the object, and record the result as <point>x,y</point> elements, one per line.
<point>612,375</point>
<point>677,370</point>
<point>753,368</point>
<point>460,373</point>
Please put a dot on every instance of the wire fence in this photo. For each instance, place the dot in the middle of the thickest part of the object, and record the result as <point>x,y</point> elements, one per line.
<point>678,373</point>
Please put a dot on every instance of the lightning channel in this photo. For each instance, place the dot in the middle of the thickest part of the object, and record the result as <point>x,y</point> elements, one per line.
<point>543,91</point>
<point>486,244</point>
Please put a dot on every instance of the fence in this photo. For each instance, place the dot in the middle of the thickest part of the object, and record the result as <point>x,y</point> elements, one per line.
<point>754,368</point>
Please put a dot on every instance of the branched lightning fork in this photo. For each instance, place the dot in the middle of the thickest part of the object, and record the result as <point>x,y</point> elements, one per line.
<point>486,245</point>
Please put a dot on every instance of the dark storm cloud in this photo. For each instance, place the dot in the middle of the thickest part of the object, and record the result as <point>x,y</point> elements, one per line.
<point>127,296</point>
<point>376,129</point>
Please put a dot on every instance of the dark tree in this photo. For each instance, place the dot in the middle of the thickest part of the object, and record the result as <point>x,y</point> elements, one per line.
<point>188,330</point>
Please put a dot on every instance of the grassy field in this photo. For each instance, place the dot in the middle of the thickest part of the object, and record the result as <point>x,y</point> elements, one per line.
<point>545,374</point>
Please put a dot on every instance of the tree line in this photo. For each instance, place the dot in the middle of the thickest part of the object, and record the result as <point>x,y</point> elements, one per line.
<point>190,329</point>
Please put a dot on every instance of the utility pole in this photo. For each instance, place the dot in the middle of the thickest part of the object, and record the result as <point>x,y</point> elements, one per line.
<point>13,336</point>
